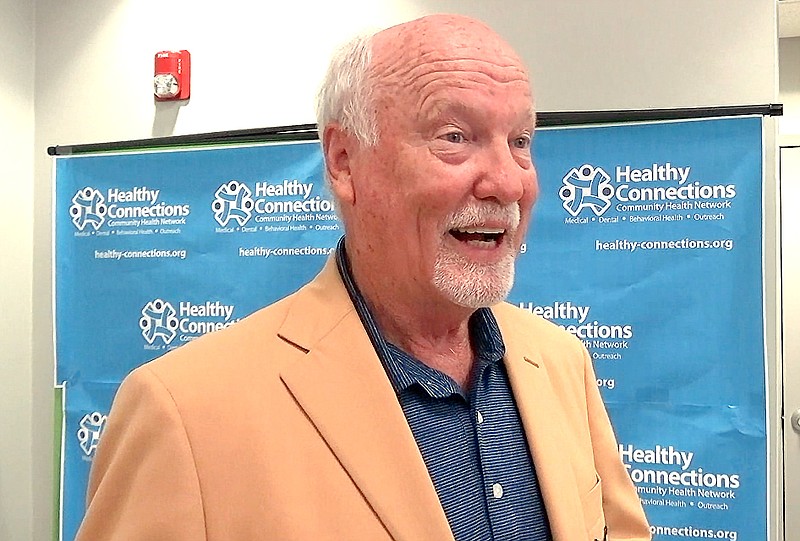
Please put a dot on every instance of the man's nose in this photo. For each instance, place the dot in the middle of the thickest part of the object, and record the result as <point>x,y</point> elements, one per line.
<point>501,176</point>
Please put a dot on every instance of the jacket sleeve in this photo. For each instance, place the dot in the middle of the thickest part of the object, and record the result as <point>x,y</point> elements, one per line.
<point>143,483</point>
<point>623,511</point>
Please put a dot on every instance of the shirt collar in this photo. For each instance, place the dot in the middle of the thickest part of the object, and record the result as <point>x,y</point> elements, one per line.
<point>403,369</point>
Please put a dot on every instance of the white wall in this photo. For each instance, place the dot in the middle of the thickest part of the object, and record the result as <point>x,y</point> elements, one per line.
<point>257,64</point>
<point>16,241</point>
<point>789,87</point>
<point>789,135</point>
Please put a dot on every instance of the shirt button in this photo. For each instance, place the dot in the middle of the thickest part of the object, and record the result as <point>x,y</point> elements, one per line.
<point>480,418</point>
<point>497,491</point>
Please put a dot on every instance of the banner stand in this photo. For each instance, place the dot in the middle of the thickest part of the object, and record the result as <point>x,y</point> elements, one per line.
<point>643,244</point>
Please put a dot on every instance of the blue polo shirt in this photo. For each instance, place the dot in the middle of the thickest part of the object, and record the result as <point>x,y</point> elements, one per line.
<point>473,443</point>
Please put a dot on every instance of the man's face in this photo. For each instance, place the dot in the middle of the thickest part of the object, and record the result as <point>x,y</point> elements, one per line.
<point>444,199</point>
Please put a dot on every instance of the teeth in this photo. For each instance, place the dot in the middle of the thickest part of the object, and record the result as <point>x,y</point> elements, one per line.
<point>480,231</point>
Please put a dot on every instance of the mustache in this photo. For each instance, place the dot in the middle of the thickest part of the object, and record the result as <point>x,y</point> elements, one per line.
<point>485,212</point>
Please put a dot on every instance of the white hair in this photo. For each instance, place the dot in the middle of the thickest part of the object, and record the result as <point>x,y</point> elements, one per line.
<point>345,96</point>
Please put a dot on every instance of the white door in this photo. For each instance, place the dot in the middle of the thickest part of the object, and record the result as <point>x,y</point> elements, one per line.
<point>790,275</point>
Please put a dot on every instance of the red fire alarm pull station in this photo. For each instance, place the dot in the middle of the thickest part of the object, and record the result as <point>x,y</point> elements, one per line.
<point>171,79</point>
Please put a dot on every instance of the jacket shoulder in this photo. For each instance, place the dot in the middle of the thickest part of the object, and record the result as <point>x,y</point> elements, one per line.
<point>533,330</point>
<point>249,342</point>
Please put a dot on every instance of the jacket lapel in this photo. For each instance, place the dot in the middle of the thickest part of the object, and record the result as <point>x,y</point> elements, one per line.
<point>544,428</point>
<point>342,387</point>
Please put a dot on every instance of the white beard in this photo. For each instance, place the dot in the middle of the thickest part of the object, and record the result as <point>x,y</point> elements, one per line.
<point>472,284</point>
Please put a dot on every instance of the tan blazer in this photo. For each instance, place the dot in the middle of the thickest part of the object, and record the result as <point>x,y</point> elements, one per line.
<point>285,427</point>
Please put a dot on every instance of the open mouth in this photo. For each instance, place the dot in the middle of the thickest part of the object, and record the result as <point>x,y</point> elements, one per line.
<point>479,236</point>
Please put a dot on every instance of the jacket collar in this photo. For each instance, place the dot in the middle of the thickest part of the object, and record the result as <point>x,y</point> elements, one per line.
<point>545,427</point>
<point>343,388</point>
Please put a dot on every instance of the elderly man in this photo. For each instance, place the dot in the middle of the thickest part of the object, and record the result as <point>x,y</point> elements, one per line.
<point>395,396</point>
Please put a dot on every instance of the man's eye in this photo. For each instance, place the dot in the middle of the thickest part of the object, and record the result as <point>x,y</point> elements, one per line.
<point>522,142</point>
<point>454,137</point>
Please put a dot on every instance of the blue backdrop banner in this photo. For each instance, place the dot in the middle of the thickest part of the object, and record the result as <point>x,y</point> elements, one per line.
<point>646,244</point>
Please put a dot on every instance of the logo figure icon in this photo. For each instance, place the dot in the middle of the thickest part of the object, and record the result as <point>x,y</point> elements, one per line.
<point>586,186</point>
<point>88,207</point>
<point>232,201</point>
<point>91,428</point>
<point>158,320</point>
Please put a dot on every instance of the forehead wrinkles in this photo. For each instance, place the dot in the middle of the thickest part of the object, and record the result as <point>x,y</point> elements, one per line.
<point>418,78</point>
<point>501,68</point>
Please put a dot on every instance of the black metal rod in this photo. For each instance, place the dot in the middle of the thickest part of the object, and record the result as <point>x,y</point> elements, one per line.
<point>568,118</point>
<point>299,132</point>
<point>308,132</point>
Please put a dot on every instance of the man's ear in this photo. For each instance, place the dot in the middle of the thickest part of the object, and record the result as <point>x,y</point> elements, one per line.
<point>338,148</point>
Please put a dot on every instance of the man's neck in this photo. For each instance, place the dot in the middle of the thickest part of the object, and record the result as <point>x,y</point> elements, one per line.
<point>433,330</point>
<point>448,351</point>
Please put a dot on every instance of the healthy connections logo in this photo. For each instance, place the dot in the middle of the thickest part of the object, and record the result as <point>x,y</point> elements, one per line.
<point>232,201</point>
<point>158,320</point>
<point>120,208</point>
<point>586,187</point>
<point>289,200</point>
<point>91,428</point>
<point>163,322</point>
<point>654,187</point>
<point>88,207</point>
